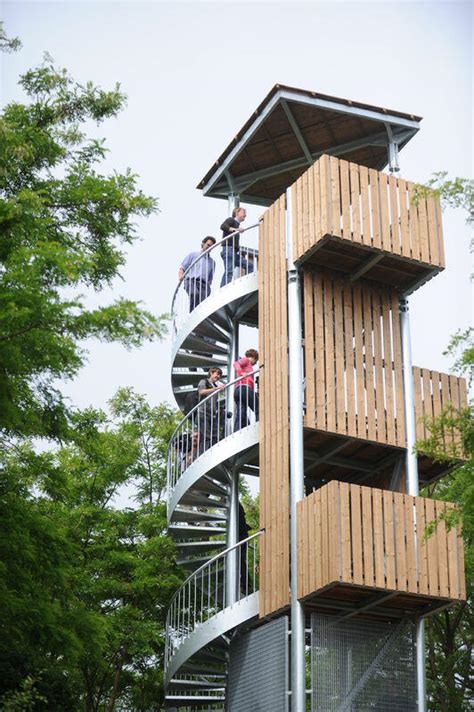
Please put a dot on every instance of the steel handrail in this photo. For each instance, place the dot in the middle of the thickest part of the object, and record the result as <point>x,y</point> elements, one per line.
<point>211,395</point>
<point>208,251</point>
<point>191,418</point>
<point>211,561</point>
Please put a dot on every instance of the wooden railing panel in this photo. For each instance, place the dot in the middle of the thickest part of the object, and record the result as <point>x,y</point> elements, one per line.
<point>378,539</point>
<point>273,345</point>
<point>352,359</point>
<point>345,200</point>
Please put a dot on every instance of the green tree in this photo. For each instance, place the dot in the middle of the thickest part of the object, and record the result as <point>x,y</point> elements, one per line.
<point>64,230</point>
<point>85,586</point>
<point>449,634</point>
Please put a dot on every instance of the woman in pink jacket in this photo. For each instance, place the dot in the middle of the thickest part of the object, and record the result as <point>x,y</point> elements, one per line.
<point>245,395</point>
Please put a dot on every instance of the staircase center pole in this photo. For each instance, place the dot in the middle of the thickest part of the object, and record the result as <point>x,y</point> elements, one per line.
<point>232,562</point>
<point>412,479</point>
<point>295,385</point>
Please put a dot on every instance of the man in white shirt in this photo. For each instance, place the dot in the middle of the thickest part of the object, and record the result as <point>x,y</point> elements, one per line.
<point>198,274</point>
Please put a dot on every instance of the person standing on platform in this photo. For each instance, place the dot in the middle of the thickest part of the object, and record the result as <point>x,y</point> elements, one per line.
<point>230,254</point>
<point>208,415</point>
<point>198,280</point>
<point>245,395</point>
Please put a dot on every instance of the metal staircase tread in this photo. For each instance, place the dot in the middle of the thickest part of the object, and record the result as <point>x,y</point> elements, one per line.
<point>194,531</point>
<point>192,563</point>
<point>194,343</point>
<point>198,546</point>
<point>206,684</point>
<point>194,498</point>
<point>211,485</point>
<point>185,360</point>
<point>211,330</point>
<point>181,514</point>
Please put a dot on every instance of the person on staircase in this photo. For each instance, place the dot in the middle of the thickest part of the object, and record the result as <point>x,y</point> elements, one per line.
<point>230,253</point>
<point>245,395</point>
<point>208,416</point>
<point>198,279</point>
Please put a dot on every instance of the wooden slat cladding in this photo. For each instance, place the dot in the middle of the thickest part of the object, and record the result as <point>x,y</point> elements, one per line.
<point>377,539</point>
<point>274,463</point>
<point>353,364</point>
<point>366,207</point>
<point>436,393</point>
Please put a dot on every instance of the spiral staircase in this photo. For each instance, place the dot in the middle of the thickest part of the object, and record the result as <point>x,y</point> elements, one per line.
<point>221,591</point>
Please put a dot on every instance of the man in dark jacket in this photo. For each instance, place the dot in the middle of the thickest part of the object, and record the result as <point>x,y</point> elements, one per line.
<point>230,254</point>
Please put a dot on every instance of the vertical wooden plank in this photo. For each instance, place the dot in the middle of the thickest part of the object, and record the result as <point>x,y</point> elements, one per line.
<point>412,569</point>
<point>404,226</point>
<point>308,307</point>
<point>345,200</point>
<point>329,354</point>
<point>427,397</point>
<point>320,350</point>
<point>395,221</point>
<point>325,188</point>
<point>367,536</point>
<point>397,372</point>
<point>455,402</point>
<point>356,535</point>
<point>305,217</point>
<point>311,237</point>
<point>318,539</point>
<point>341,424</point>
<point>359,363</point>
<point>315,186</point>
<point>366,234</point>
<point>301,547</point>
<point>462,393</point>
<point>436,396</point>
<point>400,545</point>
<point>445,400</point>
<point>413,222</point>
<point>419,411</point>
<point>335,197</point>
<point>325,534</point>
<point>439,228</point>
<point>389,538</point>
<point>461,565</point>
<point>334,533</point>
<point>349,361</point>
<point>346,573</point>
<point>421,545</point>
<point>375,209</point>
<point>381,422</point>
<point>384,213</point>
<point>388,370</point>
<point>369,364</point>
<point>355,203</point>
<point>453,563</point>
<point>432,549</point>
<point>442,546</point>
<point>432,231</point>
<point>378,538</point>
<point>423,228</point>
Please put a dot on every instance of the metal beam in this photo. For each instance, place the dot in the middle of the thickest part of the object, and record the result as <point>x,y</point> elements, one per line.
<point>374,601</point>
<point>371,262</point>
<point>297,132</point>
<point>242,182</point>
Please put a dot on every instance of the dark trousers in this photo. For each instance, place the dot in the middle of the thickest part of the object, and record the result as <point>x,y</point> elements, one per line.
<point>232,259</point>
<point>197,290</point>
<point>244,397</point>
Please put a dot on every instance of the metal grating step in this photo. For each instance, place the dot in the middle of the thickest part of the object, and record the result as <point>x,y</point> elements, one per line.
<point>185,533</point>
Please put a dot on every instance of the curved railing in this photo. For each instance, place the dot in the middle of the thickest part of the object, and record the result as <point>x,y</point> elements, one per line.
<point>209,422</point>
<point>206,592</point>
<point>195,286</point>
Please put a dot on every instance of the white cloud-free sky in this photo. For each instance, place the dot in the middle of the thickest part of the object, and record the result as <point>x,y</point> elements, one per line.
<point>194,73</point>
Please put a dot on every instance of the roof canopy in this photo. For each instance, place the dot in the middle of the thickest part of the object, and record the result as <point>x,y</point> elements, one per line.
<point>293,127</point>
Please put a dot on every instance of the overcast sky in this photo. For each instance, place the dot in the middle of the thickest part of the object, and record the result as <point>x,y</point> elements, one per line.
<point>195,72</point>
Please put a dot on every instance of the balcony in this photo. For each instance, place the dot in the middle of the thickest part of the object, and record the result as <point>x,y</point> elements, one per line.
<point>362,549</point>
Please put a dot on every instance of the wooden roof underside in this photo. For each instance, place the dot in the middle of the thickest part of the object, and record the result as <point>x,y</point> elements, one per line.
<point>292,128</point>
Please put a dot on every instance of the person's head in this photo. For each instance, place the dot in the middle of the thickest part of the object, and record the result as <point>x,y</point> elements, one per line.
<point>208,242</point>
<point>239,214</point>
<point>214,374</point>
<point>252,356</point>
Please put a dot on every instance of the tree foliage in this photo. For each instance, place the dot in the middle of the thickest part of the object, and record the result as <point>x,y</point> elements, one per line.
<point>85,585</point>
<point>65,227</point>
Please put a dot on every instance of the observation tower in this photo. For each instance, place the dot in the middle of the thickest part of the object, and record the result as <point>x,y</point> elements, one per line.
<point>322,609</point>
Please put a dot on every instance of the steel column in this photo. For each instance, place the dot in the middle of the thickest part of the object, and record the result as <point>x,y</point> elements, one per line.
<point>233,511</point>
<point>233,201</point>
<point>412,478</point>
<point>295,385</point>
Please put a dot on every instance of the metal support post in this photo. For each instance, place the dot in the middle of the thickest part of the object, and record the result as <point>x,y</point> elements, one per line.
<point>393,164</point>
<point>412,478</point>
<point>233,512</point>
<point>295,385</point>
<point>233,201</point>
